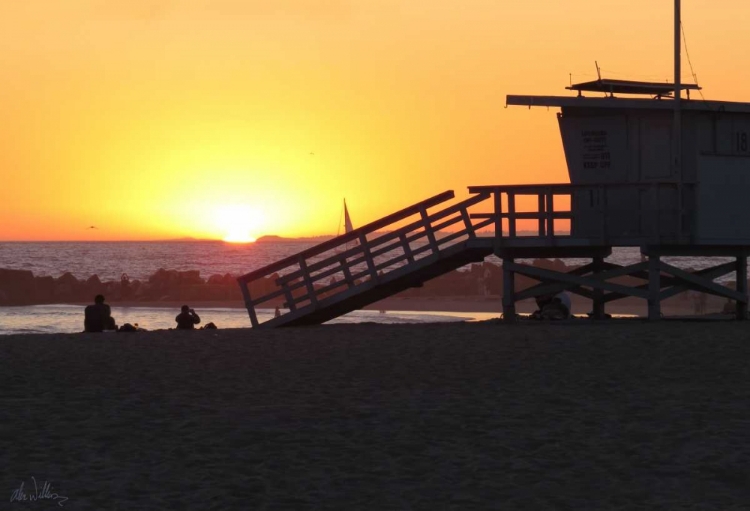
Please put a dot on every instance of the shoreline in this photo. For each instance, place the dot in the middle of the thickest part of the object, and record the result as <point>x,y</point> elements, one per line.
<point>457,304</point>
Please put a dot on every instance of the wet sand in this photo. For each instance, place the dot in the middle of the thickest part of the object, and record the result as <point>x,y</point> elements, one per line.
<point>468,304</point>
<point>615,415</point>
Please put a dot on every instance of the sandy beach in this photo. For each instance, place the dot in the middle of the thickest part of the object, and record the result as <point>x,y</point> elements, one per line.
<point>615,415</point>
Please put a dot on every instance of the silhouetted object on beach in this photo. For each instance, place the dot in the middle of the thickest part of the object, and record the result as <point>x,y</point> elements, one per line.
<point>552,307</point>
<point>277,313</point>
<point>127,327</point>
<point>210,326</point>
<point>187,319</point>
<point>98,317</point>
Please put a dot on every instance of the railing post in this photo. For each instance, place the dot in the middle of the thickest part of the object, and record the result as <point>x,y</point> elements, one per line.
<point>289,297</point>
<point>541,206</point>
<point>467,223</point>
<point>511,215</point>
<point>407,247</point>
<point>550,212</point>
<point>347,273</point>
<point>308,282</point>
<point>368,256</point>
<point>249,304</point>
<point>428,228</point>
<point>498,199</point>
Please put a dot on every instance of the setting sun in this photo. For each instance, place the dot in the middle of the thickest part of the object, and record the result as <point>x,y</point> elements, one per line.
<point>238,224</point>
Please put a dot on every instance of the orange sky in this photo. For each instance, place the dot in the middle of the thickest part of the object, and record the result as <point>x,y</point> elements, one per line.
<point>156,119</point>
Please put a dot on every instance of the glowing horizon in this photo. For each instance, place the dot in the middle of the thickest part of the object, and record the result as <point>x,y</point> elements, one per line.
<point>145,118</point>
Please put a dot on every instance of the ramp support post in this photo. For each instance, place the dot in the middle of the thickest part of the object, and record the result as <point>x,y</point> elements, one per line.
<point>509,298</point>
<point>741,284</point>
<point>654,285</point>
<point>597,267</point>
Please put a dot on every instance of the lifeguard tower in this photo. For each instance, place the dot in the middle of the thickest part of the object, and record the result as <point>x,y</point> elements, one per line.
<point>649,167</point>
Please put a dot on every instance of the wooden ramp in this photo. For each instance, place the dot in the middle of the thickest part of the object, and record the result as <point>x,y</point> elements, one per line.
<point>368,264</point>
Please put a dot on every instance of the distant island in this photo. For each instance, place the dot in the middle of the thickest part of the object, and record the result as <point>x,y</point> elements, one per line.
<point>279,239</point>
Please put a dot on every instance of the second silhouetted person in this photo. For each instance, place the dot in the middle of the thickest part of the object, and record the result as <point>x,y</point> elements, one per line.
<point>187,319</point>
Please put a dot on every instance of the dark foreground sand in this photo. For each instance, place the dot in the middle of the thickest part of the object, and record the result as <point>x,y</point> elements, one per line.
<point>621,415</point>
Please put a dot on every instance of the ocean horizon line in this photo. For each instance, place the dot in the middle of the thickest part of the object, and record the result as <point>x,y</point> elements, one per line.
<point>261,239</point>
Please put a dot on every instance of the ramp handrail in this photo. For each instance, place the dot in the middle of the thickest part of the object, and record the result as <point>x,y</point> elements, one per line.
<point>298,286</point>
<point>348,237</point>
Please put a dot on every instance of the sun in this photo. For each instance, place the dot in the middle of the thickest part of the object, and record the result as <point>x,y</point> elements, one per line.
<point>238,223</point>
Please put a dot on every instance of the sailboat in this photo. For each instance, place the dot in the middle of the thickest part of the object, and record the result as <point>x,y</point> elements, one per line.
<point>348,227</point>
<point>347,220</point>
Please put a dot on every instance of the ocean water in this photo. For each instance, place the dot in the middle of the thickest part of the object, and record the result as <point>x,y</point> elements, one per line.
<point>109,260</point>
<point>36,319</point>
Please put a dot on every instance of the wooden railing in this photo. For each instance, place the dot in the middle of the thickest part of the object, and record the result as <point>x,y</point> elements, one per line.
<point>648,216</point>
<point>334,267</point>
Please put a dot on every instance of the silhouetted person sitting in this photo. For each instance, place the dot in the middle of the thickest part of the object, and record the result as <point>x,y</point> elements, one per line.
<point>98,317</point>
<point>552,307</point>
<point>187,319</point>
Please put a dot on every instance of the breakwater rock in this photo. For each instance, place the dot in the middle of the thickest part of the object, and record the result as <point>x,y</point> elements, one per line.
<point>21,287</point>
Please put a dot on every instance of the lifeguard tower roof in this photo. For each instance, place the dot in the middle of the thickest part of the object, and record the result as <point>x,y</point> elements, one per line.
<point>608,86</point>
<point>626,103</point>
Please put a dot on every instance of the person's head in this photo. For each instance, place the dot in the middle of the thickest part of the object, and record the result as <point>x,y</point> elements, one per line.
<point>99,299</point>
<point>543,300</point>
<point>185,308</point>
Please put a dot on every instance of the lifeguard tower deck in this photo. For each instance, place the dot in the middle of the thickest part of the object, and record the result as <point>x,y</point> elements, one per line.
<point>634,182</point>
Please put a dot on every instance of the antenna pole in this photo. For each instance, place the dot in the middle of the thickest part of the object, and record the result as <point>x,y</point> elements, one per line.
<point>677,78</point>
<point>677,129</point>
